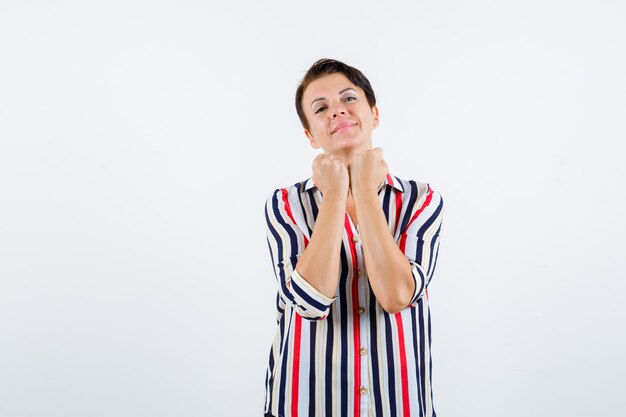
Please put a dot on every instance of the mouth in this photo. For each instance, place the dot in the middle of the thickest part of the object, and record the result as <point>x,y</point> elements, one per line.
<point>342,126</point>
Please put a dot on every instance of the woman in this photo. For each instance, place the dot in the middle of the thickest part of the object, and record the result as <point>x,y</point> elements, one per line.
<point>354,248</point>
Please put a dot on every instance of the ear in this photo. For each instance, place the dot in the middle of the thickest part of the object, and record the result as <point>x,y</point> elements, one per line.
<point>375,116</point>
<point>314,143</point>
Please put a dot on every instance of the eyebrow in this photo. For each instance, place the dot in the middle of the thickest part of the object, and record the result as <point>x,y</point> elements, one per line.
<point>340,93</point>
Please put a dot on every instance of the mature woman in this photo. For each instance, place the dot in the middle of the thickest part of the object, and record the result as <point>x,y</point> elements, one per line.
<point>354,248</point>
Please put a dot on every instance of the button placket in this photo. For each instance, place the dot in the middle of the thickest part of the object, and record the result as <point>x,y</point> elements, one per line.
<point>364,361</point>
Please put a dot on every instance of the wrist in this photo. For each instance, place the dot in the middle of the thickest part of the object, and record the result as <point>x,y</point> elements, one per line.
<point>336,196</point>
<point>357,187</point>
<point>362,190</point>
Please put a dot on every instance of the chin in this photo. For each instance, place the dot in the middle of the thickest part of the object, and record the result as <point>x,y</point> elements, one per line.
<point>350,140</point>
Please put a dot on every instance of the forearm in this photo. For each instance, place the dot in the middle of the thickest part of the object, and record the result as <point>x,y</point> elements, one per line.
<point>388,270</point>
<point>319,264</point>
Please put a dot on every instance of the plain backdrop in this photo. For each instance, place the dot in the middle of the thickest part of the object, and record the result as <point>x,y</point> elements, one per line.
<point>139,141</point>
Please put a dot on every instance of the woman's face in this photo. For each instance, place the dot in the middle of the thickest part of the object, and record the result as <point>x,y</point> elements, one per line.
<point>340,118</point>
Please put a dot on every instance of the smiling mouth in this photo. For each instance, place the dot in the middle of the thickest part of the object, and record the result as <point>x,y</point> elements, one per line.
<point>342,126</point>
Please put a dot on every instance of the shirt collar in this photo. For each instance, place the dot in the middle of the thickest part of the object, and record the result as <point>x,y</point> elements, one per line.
<point>388,180</point>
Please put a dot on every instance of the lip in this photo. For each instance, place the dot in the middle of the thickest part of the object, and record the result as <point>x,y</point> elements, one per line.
<point>342,126</point>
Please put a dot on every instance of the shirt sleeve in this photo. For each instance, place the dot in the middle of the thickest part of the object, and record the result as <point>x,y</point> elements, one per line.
<point>420,240</point>
<point>286,244</point>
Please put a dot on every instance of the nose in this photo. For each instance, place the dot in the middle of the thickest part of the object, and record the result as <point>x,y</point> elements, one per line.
<point>338,109</point>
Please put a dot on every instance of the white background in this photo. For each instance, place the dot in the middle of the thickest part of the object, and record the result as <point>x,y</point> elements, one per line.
<point>140,139</point>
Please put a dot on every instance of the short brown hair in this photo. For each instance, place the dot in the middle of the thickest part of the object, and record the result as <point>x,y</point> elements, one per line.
<point>326,66</point>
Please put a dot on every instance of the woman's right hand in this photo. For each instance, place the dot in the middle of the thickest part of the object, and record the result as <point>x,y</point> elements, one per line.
<point>330,175</point>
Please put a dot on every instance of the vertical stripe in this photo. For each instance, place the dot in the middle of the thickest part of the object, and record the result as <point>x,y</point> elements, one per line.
<point>398,195</point>
<point>385,205</point>
<point>355,315</point>
<point>413,193</point>
<point>376,374</point>
<point>283,373</point>
<point>343,341</point>
<point>430,367</point>
<point>312,369</point>
<point>296,366</point>
<point>403,369</point>
<point>422,362</point>
<point>416,359</point>
<point>304,209</point>
<point>391,373</point>
<point>328,372</point>
<point>402,244</point>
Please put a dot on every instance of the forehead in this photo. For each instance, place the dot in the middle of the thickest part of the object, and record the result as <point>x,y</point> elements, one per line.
<point>326,86</point>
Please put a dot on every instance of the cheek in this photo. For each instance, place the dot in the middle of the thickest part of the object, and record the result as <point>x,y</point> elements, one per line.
<point>320,128</point>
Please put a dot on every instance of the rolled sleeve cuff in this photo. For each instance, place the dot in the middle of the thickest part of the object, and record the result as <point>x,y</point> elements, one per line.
<point>309,298</point>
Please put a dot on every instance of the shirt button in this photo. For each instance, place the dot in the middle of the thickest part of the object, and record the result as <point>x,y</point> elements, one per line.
<point>363,352</point>
<point>359,272</point>
<point>355,239</point>
<point>363,391</point>
<point>361,310</point>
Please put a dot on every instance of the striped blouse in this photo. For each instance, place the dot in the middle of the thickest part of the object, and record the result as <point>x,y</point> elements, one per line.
<point>346,356</point>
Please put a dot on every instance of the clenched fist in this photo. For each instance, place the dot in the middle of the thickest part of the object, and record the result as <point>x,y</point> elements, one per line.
<point>367,170</point>
<point>330,175</point>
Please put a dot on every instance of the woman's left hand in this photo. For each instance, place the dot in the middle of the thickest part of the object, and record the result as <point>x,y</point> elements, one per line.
<point>367,170</point>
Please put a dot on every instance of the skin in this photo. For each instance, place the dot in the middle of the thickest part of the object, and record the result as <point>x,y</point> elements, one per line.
<point>348,174</point>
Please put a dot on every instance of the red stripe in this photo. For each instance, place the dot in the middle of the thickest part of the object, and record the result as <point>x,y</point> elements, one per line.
<point>403,368</point>
<point>295,384</point>
<point>355,314</point>
<point>429,197</point>
<point>402,244</point>
<point>295,376</point>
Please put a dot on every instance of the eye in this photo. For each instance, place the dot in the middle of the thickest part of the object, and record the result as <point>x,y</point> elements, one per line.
<point>319,109</point>
<point>349,98</point>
